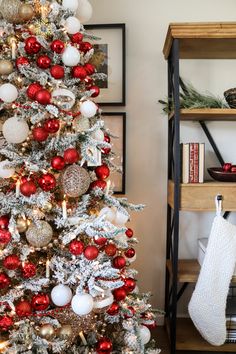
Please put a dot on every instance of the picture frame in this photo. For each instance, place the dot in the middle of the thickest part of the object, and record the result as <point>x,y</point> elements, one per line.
<point>109,58</point>
<point>116,123</point>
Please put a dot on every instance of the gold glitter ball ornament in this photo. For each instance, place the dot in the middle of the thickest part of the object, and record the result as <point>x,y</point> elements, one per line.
<point>75,181</point>
<point>46,331</point>
<point>21,225</point>
<point>6,67</point>
<point>26,12</point>
<point>39,235</point>
<point>10,10</point>
<point>47,207</point>
<point>65,332</point>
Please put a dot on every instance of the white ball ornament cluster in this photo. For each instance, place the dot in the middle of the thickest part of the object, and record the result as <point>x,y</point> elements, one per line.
<point>15,130</point>
<point>82,304</point>
<point>4,171</point>
<point>72,25</point>
<point>84,11</point>
<point>8,93</point>
<point>144,334</point>
<point>71,56</point>
<point>88,109</point>
<point>61,295</point>
<point>70,4</point>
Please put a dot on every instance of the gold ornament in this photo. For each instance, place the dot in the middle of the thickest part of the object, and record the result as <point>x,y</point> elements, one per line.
<point>39,235</point>
<point>75,181</point>
<point>46,331</point>
<point>10,10</point>
<point>65,332</point>
<point>26,12</point>
<point>6,67</point>
<point>11,39</point>
<point>21,225</point>
<point>47,207</point>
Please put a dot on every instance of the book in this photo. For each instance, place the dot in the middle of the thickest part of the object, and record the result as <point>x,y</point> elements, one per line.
<point>193,162</point>
<point>185,163</point>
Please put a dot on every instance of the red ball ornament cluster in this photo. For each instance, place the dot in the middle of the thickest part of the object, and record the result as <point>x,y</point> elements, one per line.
<point>107,139</point>
<point>57,46</point>
<point>104,346</point>
<point>96,91</point>
<point>130,253</point>
<point>102,172</point>
<point>32,46</point>
<point>47,182</point>
<point>23,308</point>
<point>79,72</point>
<point>5,237</point>
<point>40,134</point>
<point>100,241</point>
<point>98,184</point>
<point>40,302</point>
<point>22,61</point>
<point>28,188</point>
<point>119,262</point>
<point>43,62</point>
<point>32,89</point>
<point>113,309</point>
<point>91,252</point>
<point>85,47</point>
<point>58,163</point>
<point>90,69</point>
<point>12,262</point>
<point>4,280</point>
<point>6,322</point>
<point>4,222</point>
<point>28,270</point>
<point>57,71</point>
<point>71,156</point>
<point>76,247</point>
<point>119,294</point>
<point>77,38</point>
<point>129,233</point>
<point>129,285</point>
<point>110,249</point>
<point>52,125</point>
<point>43,97</point>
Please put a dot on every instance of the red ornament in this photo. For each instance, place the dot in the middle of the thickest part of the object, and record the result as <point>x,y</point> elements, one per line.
<point>43,97</point>
<point>130,313</point>
<point>77,38</point>
<point>100,241</point>
<point>43,62</point>
<point>233,169</point>
<point>119,294</point>
<point>98,184</point>
<point>58,163</point>
<point>40,302</point>
<point>119,262</point>
<point>91,252</point>
<point>110,249</point>
<point>28,270</point>
<point>32,46</point>
<point>227,167</point>
<point>129,285</point>
<point>79,72</point>
<point>89,82</point>
<point>57,46</point>
<point>76,247</point>
<point>130,253</point>
<point>28,188</point>
<point>51,125</point>
<point>129,233</point>
<point>5,237</point>
<point>102,172</point>
<point>33,89</point>
<point>23,308</point>
<point>107,139</point>
<point>85,47</point>
<point>96,90</point>
<point>71,156</point>
<point>22,61</point>
<point>4,280</point>
<point>113,309</point>
<point>57,71</point>
<point>40,134</point>
<point>47,182</point>
<point>4,221</point>
<point>5,323</point>
<point>12,262</point>
<point>90,69</point>
<point>104,346</point>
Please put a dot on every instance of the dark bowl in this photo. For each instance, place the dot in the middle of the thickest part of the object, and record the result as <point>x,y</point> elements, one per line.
<point>218,174</point>
<point>230,97</point>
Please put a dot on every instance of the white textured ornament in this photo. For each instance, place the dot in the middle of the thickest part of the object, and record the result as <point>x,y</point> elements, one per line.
<point>131,340</point>
<point>6,172</point>
<point>109,213</point>
<point>105,300</point>
<point>80,124</point>
<point>88,109</point>
<point>71,56</point>
<point>84,11</point>
<point>98,135</point>
<point>9,10</point>
<point>15,130</point>
<point>39,235</point>
<point>75,181</point>
<point>61,295</point>
<point>70,4</point>
<point>144,334</point>
<point>8,93</point>
<point>63,98</point>
<point>121,219</point>
<point>82,304</point>
<point>72,25</point>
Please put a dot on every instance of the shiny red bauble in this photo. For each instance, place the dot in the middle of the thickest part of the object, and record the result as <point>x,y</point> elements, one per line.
<point>23,308</point>
<point>110,249</point>
<point>58,163</point>
<point>107,139</point>
<point>32,46</point>
<point>76,247</point>
<point>5,237</point>
<point>91,252</point>
<point>79,72</point>
<point>40,134</point>
<point>130,312</point>
<point>28,270</point>
<point>52,125</point>
<point>57,46</point>
<point>22,61</point>
<point>77,38</point>
<point>57,71</point>
<point>96,91</point>
<point>43,62</point>
<point>4,280</point>
<point>130,253</point>
<point>47,182</point>
<point>104,346</point>
<point>85,47</point>
<point>119,262</point>
<point>43,97</point>
<point>102,172</point>
<point>11,262</point>
<point>113,309</point>
<point>90,69</point>
<point>88,82</point>
<point>129,233</point>
<point>129,285</point>
<point>98,184</point>
<point>40,302</point>
<point>119,294</point>
<point>5,323</point>
<point>33,89</point>
<point>71,156</point>
<point>4,221</point>
<point>28,188</point>
<point>100,241</point>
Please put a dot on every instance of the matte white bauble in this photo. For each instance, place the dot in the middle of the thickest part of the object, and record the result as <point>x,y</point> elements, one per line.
<point>98,135</point>
<point>63,98</point>
<point>84,11</point>
<point>82,304</point>
<point>8,93</point>
<point>6,172</point>
<point>121,219</point>
<point>88,109</point>
<point>15,130</point>
<point>61,295</point>
<point>71,56</point>
<point>70,4</point>
<point>72,25</point>
<point>144,334</point>
<point>110,213</point>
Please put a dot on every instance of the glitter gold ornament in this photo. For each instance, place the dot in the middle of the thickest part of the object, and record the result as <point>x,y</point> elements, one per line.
<point>65,332</point>
<point>6,67</point>
<point>39,235</point>
<point>75,181</point>
<point>21,225</point>
<point>47,207</point>
<point>26,12</point>
<point>11,39</point>
<point>46,331</point>
<point>10,10</point>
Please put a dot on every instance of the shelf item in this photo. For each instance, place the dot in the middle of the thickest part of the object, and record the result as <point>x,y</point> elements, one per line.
<point>207,114</point>
<point>218,174</point>
<point>193,162</point>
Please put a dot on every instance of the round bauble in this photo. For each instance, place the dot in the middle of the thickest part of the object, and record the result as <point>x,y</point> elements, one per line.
<point>57,46</point>
<point>98,184</point>
<point>103,301</point>
<point>6,67</point>
<point>80,124</point>
<point>107,138</point>
<point>26,12</point>
<point>5,237</point>
<point>23,308</point>
<point>21,61</point>
<point>129,285</point>
<point>63,98</point>
<point>11,262</point>
<point>71,156</point>
<point>121,218</point>
<point>57,72</point>
<point>107,150</point>
<point>144,334</point>
<point>65,332</point>
<point>90,69</point>
<point>28,270</point>
<point>76,247</point>
<point>119,294</point>
<point>5,323</point>
<point>46,331</point>
<point>91,252</point>
<point>32,46</point>
<point>58,163</point>
<point>39,235</point>
<point>110,249</point>
<point>104,345</point>
<point>119,262</point>
<point>71,56</point>
<point>78,72</point>
<point>39,134</point>
<point>77,38</point>
<point>82,304</point>
<point>70,4</point>
<point>52,125</point>
<point>43,62</point>
<point>4,221</point>
<point>98,135</point>
<point>113,309</point>
<point>4,280</point>
<point>33,89</point>
<point>130,313</point>
<point>10,10</point>
<point>40,302</point>
<point>102,172</point>
<point>100,241</point>
<point>130,252</point>
<point>28,188</point>
<point>88,109</point>
<point>47,182</point>
<point>61,295</point>
<point>21,225</point>
<point>6,172</point>
<point>47,207</point>
<point>85,47</point>
<point>129,233</point>
<point>72,25</point>
<point>89,82</point>
<point>75,181</point>
<point>96,91</point>
<point>43,97</point>
<point>8,93</point>
<point>15,130</point>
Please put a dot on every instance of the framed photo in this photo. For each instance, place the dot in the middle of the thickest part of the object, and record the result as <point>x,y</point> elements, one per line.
<point>116,123</point>
<point>109,58</point>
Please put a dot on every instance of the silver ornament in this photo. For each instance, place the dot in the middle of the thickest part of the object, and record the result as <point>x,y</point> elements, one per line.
<point>75,181</point>
<point>81,124</point>
<point>10,10</point>
<point>131,340</point>
<point>39,235</point>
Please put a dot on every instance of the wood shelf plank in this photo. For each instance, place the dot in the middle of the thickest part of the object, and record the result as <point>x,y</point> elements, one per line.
<point>208,114</point>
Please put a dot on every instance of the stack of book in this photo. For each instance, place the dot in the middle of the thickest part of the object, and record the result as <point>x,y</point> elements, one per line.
<point>193,162</point>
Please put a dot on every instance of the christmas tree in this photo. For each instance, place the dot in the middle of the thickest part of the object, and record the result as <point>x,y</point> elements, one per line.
<point>65,247</point>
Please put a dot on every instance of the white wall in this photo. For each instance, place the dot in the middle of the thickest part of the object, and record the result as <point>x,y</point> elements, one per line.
<point>147,23</point>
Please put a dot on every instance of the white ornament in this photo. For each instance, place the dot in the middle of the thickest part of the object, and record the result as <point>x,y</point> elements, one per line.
<point>84,11</point>
<point>63,98</point>
<point>88,109</point>
<point>6,172</point>
<point>8,93</point>
<point>82,304</point>
<point>123,239</point>
<point>98,135</point>
<point>110,213</point>
<point>144,334</point>
<point>71,56</point>
<point>121,218</point>
<point>105,300</point>
<point>61,295</point>
<point>72,25</point>
<point>70,4</point>
<point>15,130</point>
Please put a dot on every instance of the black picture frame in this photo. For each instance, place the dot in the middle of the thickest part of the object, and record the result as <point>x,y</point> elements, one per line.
<point>97,30</point>
<point>120,130</point>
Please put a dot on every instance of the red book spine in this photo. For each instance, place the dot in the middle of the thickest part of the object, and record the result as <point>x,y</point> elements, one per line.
<point>196,163</point>
<point>191,163</point>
